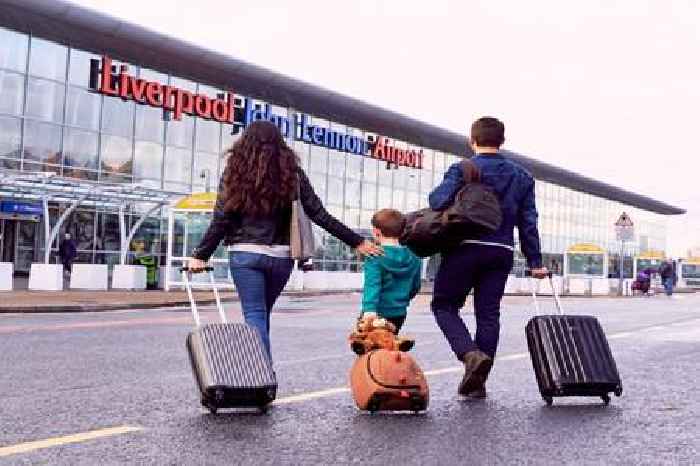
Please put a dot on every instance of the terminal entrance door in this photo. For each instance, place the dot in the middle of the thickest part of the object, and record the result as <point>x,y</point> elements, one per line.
<point>19,243</point>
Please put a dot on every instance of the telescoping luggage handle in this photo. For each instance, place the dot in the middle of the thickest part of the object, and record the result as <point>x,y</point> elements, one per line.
<point>528,273</point>
<point>186,272</point>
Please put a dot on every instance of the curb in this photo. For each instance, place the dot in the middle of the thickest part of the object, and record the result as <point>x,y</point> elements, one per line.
<point>76,308</point>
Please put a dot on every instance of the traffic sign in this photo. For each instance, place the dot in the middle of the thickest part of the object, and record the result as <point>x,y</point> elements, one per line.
<point>624,227</point>
<point>624,221</point>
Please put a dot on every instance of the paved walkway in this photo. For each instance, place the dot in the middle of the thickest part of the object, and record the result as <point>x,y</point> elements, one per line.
<point>76,301</point>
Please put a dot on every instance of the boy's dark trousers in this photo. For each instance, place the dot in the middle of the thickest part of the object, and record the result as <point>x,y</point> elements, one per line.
<point>484,269</point>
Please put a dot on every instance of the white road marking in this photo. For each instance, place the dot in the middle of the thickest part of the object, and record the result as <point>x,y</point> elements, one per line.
<point>66,439</point>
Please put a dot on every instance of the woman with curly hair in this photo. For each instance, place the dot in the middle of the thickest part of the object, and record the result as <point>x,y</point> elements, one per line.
<point>253,214</point>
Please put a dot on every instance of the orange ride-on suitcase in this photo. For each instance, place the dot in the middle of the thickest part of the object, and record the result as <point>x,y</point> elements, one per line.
<point>384,380</point>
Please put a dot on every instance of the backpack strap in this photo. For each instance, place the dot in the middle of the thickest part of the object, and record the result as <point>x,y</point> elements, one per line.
<point>470,172</point>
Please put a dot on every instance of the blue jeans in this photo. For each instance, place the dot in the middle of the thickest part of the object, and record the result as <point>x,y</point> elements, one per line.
<point>668,286</point>
<point>259,280</point>
<point>484,269</point>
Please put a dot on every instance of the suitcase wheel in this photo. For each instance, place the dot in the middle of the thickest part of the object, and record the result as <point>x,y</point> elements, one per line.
<point>618,391</point>
<point>606,399</point>
<point>548,399</point>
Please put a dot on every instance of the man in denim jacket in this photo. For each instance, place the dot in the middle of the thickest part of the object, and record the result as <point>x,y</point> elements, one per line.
<point>484,264</point>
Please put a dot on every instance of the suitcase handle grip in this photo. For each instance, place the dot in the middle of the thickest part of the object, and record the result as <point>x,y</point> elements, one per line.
<point>186,272</point>
<point>528,273</point>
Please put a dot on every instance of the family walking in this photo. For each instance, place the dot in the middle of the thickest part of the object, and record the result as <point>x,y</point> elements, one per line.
<point>254,208</point>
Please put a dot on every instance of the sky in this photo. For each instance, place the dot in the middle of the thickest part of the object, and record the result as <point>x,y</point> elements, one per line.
<point>606,88</point>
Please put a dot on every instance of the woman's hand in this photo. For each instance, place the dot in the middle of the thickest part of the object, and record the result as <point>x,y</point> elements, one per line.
<point>196,265</point>
<point>368,248</point>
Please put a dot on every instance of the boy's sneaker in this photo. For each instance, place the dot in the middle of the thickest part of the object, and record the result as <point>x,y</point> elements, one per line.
<point>476,368</point>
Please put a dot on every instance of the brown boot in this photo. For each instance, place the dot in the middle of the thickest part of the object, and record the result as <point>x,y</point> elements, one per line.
<point>476,368</point>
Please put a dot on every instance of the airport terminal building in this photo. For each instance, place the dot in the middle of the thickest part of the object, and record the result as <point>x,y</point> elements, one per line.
<point>91,98</point>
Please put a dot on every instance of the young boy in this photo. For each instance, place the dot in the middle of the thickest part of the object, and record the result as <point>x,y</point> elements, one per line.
<point>391,280</point>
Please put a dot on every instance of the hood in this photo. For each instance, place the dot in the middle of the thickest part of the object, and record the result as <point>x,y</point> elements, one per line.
<point>398,260</point>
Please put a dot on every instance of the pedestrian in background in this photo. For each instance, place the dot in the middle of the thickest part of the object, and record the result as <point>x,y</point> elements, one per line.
<point>666,271</point>
<point>67,251</point>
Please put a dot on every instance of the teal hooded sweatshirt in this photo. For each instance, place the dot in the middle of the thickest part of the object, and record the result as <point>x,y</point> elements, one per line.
<point>391,281</point>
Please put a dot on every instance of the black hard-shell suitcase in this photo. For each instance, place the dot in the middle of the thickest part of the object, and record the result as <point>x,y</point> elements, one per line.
<point>229,362</point>
<point>570,355</point>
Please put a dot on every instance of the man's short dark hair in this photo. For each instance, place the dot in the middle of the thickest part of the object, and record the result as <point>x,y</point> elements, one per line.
<point>488,132</point>
<point>390,222</point>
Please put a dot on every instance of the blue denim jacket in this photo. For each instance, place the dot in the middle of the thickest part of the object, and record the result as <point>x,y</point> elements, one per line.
<point>515,188</point>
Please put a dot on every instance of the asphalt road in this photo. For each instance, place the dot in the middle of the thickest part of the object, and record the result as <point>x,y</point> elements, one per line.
<point>65,378</point>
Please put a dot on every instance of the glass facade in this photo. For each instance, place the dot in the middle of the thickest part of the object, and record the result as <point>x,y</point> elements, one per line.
<point>51,121</point>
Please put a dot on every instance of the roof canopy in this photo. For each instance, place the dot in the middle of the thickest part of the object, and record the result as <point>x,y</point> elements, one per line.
<point>47,185</point>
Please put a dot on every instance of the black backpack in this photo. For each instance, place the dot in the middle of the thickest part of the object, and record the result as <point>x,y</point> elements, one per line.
<point>474,212</point>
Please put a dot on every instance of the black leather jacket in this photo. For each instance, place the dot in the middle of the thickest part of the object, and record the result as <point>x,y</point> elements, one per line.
<point>236,228</point>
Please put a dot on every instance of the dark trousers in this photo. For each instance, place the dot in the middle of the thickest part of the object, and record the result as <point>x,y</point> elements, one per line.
<point>484,269</point>
<point>67,265</point>
<point>259,280</point>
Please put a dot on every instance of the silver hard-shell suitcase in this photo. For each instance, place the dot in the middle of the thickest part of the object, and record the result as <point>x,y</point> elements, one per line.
<point>570,354</point>
<point>229,362</point>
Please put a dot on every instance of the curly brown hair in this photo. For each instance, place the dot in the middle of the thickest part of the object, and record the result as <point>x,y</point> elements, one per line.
<point>261,172</point>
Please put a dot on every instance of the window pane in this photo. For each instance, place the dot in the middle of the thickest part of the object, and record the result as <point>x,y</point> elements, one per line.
<point>80,149</point>
<point>116,155</point>
<point>384,197</point>
<point>398,199</point>
<point>45,100</point>
<point>180,132</point>
<point>319,159</point>
<point>148,161</point>
<point>369,167</point>
<point>369,196</point>
<point>352,193</point>
<point>205,169</point>
<point>336,164</point>
<point>79,68</point>
<point>353,166</point>
<point>412,179</point>
<point>185,84</point>
<point>385,175</point>
<point>227,139</point>
<point>11,92</point>
<point>83,108</point>
<point>335,190</point>
<point>302,151</point>
<point>208,135</point>
<point>178,167</point>
<point>10,137</point>
<point>352,218</point>
<point>150,125</point>
<point>318,181</point>
<point>118,117</point>
<point>151,75</point>
<point>411,201</point>
<point>13,50</point>
<point>48,59</point>
<point>42,142</point>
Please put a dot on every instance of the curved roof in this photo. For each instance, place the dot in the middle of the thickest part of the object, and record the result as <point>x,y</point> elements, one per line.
<point>90,30</point>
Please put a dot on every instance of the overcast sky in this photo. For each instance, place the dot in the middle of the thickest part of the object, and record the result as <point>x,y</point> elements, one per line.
<point>610,89</point>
